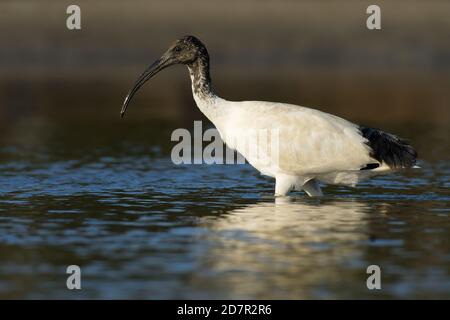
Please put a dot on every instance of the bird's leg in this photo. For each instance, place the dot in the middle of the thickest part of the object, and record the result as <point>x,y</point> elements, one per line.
<point>312,188</point>
<point>283,185</point>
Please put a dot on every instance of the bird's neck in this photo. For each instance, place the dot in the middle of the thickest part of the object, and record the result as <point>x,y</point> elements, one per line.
<point>201,86</point>
<point>201,79</point>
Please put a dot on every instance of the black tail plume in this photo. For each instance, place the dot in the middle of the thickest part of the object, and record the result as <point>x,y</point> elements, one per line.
<point>388,148</point>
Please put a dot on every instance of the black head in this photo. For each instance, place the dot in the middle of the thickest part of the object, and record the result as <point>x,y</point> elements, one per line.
<point>186,50</point>
<point>183,51</point>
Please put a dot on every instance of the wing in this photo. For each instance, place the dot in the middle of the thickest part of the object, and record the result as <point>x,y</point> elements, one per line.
<point>309,141</point>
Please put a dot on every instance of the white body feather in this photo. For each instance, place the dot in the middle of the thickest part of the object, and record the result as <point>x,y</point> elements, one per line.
<point>311,144</point>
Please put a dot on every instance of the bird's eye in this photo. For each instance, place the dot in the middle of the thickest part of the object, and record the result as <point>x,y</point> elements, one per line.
<point>177,49</point>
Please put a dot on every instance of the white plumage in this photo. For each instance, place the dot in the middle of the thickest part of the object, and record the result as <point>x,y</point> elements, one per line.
<point>312,144</point>
<point>297,146</point>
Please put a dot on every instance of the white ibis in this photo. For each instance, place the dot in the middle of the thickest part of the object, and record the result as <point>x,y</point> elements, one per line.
<point>312,146</point>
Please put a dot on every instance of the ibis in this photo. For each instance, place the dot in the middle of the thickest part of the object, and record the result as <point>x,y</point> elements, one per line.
<point>312,147</point>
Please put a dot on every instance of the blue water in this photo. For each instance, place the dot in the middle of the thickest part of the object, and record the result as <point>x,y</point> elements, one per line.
<point>142,227</point>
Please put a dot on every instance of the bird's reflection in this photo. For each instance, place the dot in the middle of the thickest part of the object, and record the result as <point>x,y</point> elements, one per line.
<point>288,245</point>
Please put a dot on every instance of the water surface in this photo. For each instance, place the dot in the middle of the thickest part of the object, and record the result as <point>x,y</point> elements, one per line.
<point>108,198</point>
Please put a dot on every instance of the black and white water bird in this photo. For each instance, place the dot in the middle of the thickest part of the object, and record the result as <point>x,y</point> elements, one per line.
<point>311,146</point>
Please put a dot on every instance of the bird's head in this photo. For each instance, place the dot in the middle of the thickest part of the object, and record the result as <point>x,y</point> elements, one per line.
<point>183,51</point>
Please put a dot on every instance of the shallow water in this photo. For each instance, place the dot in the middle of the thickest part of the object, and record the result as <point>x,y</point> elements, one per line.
<point>111,201</point>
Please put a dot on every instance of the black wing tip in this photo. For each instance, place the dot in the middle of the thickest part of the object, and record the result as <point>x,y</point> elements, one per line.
<point>370,166</point>
<point>397,153</point>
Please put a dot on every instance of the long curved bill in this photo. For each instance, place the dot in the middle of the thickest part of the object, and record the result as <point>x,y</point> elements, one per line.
<point>157,66</point>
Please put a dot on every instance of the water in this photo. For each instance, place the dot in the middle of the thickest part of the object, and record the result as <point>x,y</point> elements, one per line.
<point>107,198</point>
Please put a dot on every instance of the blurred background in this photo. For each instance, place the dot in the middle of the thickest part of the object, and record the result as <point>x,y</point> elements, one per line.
<point>79,185</point>
<point>309,53</point>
